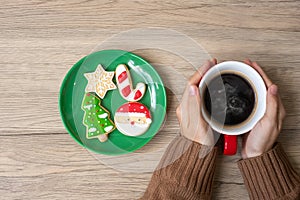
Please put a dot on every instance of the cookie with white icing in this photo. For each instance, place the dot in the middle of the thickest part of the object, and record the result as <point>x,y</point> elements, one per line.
<point>96,118</point>
<point>133,119</point>
<point>125,86</point>
<point>100,81</point>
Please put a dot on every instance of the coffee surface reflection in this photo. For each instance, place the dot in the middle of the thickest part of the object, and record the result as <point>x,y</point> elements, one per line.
<point>229,99</point>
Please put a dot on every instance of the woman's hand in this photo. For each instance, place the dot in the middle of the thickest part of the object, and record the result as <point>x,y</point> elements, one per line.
<point>263,136</point>
<point>189,115</point>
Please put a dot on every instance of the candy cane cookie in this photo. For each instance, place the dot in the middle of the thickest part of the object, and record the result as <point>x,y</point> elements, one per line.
<point>125,87</point>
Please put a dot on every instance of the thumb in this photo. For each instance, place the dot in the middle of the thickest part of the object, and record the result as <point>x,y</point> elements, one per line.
<point>272,102</point>
<point>194,104</point>
<point>190,106</point>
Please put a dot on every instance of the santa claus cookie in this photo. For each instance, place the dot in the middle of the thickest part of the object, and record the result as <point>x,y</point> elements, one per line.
<point>124,83</point>
<point>133,119</point>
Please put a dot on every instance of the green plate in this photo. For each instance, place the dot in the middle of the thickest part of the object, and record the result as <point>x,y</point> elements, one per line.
<point>73,90</point>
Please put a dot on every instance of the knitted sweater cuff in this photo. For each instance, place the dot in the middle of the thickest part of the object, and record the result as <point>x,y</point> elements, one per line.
<point>270,176</point>
<point>189,165</point>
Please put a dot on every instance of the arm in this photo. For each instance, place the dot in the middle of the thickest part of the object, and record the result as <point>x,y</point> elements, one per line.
<point>186,170</point>
<point>188,177</point>
<point>265,167</point>
<point>270,176</point>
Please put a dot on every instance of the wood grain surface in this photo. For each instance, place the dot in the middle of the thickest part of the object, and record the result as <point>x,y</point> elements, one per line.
<point>40,40</point>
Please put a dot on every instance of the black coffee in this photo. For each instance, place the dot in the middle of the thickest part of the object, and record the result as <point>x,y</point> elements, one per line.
<point>229,99</point>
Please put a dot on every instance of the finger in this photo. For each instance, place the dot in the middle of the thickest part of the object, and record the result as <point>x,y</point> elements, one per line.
<point>190,104</point>
<point>193,109</point>
<point>194,103</point>
<point>178,113</point>
<point>244,140</point>
<point>184,98</point>
<point>267,80</point>
<point>282,111</point>
<point>183,106</point>
<point>248,62</point>
<point>196,77</point>
<point>272,103</point>
<point>215,61</point>
<point>281,114</point>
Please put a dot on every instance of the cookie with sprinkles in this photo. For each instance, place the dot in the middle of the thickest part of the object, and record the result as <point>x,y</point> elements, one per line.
<point>100,81</point>
<point>133,119</point>
<point>96,118</point>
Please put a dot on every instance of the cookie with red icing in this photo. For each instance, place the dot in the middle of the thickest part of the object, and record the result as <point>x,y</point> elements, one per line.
<point>125,86</point>
<point>133,119</point>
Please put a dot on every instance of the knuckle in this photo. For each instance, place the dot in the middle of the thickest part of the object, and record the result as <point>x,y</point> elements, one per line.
<point>275,103</point>
<point>190,81</point>
<point>279,127</point>
<point>271,120</point>
<point>283,113</point>
<point>178,111</point>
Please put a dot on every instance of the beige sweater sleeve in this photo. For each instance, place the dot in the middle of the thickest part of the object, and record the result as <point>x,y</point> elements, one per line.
<point>270,176</point>
<point>185,171</point>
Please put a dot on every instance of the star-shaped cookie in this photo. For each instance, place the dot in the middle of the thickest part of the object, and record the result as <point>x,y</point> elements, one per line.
<point>100,81</point>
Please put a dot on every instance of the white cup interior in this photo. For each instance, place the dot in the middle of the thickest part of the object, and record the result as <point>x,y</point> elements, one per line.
<point>258,85</point>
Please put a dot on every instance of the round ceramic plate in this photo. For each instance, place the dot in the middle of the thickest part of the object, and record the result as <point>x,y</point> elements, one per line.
<point>73,90</point>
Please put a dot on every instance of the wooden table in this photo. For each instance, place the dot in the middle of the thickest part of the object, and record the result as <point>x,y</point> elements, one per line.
<point>40,40</point>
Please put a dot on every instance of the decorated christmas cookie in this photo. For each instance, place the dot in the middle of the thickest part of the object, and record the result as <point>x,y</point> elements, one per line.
<point>96,118</point>
<point>124,83</point>
<point>133,119</point>
<point>99,81</point>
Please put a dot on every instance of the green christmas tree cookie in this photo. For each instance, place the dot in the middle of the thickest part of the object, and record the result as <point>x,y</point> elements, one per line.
<point>96,118</point>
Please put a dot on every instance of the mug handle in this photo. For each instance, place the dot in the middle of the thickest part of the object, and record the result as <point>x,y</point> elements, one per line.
<point>230,144</point>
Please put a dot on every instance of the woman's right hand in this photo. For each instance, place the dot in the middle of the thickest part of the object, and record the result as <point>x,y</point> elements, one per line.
<point>189,115</point>
<point>263,136</point>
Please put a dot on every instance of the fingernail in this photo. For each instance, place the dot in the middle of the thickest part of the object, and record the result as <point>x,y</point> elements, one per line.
<point>192,90</point>
<point>215,61</point>
<point>274,89</point>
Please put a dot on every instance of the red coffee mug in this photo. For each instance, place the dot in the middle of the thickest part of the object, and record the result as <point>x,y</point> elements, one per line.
<point>256,81</point>
<point>230,145</point>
